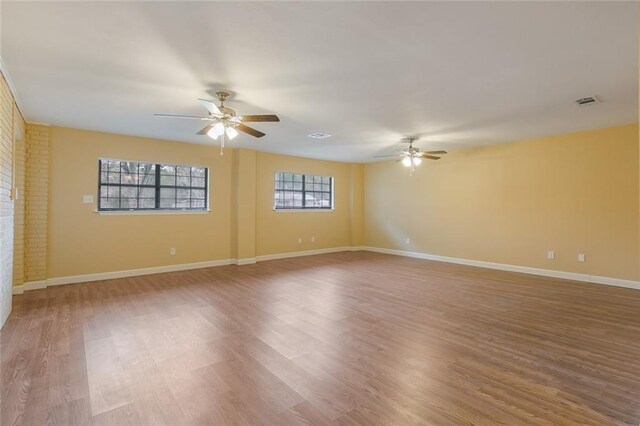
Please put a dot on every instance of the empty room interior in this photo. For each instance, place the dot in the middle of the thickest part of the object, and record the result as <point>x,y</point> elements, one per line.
<point>319,213</point>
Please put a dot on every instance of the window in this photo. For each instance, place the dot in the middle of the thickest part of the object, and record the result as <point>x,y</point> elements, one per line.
<point>131,185</point>
<point>299,191</point>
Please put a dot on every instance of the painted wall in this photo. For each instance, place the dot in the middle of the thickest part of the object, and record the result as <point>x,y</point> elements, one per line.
<point>83,242</point>
<point>11,134</point>
<point>241,225</point>
<point>278,231</point>
<point>510,203</point>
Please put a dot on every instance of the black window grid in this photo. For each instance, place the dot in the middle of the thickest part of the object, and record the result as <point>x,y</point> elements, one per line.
<point>195,203</point>
<point>299,184</point>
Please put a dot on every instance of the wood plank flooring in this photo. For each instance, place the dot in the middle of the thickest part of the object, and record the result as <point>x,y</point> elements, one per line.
<point>347,338</point>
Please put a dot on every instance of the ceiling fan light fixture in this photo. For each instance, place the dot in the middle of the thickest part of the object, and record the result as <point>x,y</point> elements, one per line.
<point>406,161</point>
<point>231,133</point>
<point>417,161</point>
<point>213,133</point>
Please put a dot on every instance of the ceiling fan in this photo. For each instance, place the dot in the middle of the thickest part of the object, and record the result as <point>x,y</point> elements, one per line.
<point>223,121</point>
<point>412,157</point>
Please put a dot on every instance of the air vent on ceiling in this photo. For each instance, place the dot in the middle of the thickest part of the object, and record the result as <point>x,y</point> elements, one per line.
<point>589,100</point>
<point>319,135</point>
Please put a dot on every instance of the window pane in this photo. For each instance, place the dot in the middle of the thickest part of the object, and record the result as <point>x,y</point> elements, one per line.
<point>110,191</point>
<point>129,192</point>
<point>111,166</point>
<point>128,203</point>
<point>183,193</point>
<point>168,203</point>
<point>166,169</point>
<point>198,172</point>
<point>184,180</point>
<point>168,193</point>
<point>197,182</point>
<point>197,193</point>
<point>113,178</point>
<point>183,170</point>
<point>147,174</point>
<point>167,180</point>
<point>197,204</point>
<point>147,193</point>
<point>147,203</point>
<point>129,171</point>
<point>109,203</point>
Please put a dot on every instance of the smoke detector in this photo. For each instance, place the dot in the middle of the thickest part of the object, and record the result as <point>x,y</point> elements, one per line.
<point>589,100</point>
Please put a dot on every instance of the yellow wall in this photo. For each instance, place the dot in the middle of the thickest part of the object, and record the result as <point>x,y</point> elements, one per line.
<point>245,181</point>
<point>278,231</point>
<point>84,242</point>
<point>510,203</point>
<point>241,225</point>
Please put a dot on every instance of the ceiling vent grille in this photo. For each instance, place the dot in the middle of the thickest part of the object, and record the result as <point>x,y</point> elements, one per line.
<point>589,100</point>
<point>319,135</point>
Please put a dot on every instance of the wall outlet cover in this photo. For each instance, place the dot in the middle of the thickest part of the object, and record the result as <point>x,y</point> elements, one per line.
<point>87,199</point>
<point>551,255</point>
<point>581,257</point>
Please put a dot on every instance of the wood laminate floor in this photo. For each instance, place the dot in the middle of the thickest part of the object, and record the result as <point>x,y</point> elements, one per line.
<point>345,338</point>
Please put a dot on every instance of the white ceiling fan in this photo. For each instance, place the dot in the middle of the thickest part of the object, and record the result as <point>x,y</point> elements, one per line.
<point>223,121</point>
<point>412,156</point>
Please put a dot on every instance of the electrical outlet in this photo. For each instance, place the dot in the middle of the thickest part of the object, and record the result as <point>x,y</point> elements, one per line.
<point>580,257</point>
<point>551,255</point>
<point>313,239</point>
<point>87,199</point>
<point>172,251</point>
<point>408,241</point>
<point>299,240</point>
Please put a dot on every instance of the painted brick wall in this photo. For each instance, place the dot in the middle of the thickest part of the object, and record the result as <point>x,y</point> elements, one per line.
<point>6,204</point>
<point>19,154</point>
<point>36,199</point>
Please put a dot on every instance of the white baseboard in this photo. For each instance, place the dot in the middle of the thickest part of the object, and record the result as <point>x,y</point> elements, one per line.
<point>512,268</point>
<point>245,261</point>
<point>33,285</point>
<point>301,253</point>
<point>74,279</point>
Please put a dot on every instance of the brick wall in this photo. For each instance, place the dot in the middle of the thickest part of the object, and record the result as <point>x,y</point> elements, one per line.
<point>36,199</point>
<point>8,113</point>
<point>19,154</point>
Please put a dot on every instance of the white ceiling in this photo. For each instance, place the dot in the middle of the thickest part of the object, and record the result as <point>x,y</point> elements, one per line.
<point>457,74</point>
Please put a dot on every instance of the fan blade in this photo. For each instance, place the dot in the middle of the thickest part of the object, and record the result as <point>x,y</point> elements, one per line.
<point>210,106</point>
<point>431,157</point>
<point>205,129</point>
<point>259,118</point>
<point>435,152</point>
<point>249,130</point>
<point>192,117</point>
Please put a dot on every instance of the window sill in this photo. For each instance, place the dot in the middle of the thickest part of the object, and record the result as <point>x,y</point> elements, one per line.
<point>150,212</point>
<point>304,210</point>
